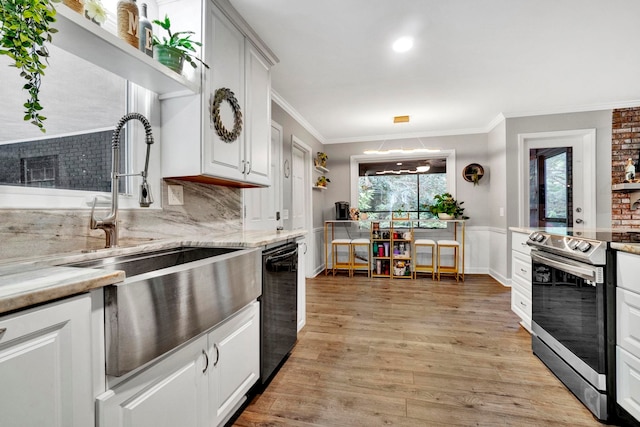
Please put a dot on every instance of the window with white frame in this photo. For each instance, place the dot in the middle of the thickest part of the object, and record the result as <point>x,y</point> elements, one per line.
<point>401,186</point>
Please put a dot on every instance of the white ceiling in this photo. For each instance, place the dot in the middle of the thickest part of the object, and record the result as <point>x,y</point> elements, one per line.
<point>472,61</point>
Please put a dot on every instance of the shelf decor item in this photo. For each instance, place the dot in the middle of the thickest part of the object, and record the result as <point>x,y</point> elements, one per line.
<point>321,159</point>
<point>322,181</point>
<point>473,173</point>
<point>95,11</point>
<point>75,5</point>
<point>224,94</point>
<point>128,16</point>
<point>179,44</point>
<point>25,30</point>
<point>145,32</point>
<point>448,206</point>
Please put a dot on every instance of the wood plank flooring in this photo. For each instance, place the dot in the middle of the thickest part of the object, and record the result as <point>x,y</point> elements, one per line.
<point>378,352</point>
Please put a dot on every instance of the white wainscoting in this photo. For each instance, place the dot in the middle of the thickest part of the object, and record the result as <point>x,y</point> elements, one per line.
<point>499,259</point>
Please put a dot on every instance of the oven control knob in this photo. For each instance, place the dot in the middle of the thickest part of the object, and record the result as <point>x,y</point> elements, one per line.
<point>584,246</point>
<point>573,244</point>
<point>533,236</point>
<point>539,237</point>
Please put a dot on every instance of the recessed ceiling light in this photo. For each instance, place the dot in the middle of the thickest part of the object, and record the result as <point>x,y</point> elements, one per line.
<point>403,44</point>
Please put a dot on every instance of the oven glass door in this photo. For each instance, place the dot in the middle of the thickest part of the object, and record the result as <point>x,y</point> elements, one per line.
<point>568,304</point>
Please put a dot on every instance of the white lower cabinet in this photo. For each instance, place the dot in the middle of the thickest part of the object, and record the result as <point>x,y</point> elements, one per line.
<point>234,350</point>
<point>628,333</point>
<point>521,278</point>
<point>45,365</point>
<point>200,384</point>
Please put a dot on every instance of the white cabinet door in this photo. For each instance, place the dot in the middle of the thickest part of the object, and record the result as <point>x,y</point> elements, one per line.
<point>258,117</point>
<point>225,55</point>
<point>262,206</point>
<point>234,349</point>
<point>172,392</point>
<point>302,286</point>
<point>45,366</point>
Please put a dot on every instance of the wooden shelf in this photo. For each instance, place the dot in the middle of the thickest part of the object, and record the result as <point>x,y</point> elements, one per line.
<point>83,38</point>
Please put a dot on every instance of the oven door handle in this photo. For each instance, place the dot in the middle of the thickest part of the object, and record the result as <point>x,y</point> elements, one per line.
<point>568,266</point>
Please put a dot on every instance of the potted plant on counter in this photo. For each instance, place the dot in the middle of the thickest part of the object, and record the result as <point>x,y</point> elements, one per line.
<point>446,207</point>
<point>176,49</point>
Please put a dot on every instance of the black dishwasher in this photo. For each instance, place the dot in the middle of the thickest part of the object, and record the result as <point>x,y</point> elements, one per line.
<point>278,307</point>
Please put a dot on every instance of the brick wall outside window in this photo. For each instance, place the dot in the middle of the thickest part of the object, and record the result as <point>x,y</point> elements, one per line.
<point>625,143</point>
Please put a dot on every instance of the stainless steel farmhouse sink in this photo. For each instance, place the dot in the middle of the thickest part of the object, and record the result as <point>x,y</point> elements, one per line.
<point>170,296</point>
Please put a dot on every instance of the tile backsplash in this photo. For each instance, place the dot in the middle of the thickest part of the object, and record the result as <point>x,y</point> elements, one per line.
<point>34,233</point>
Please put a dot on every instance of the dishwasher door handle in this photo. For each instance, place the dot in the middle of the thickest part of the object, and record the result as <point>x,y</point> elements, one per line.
<point>279,255</point>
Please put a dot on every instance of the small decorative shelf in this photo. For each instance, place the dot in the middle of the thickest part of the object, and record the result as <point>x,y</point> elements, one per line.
<point>321,169</point>
<point>319,187</point>
<point>79,36</point>
<point>473,173</point>
<point>633,189</point>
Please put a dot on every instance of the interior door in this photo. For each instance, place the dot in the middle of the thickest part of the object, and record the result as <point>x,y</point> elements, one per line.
<point>298,187</point>
<point>263,205</point>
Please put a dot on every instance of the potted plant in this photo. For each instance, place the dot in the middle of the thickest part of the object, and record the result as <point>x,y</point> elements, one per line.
<point>322,159</point>
<point>322,181</point>
<point>446,207</point>
<point>25,30</point>
<point>176,49</point>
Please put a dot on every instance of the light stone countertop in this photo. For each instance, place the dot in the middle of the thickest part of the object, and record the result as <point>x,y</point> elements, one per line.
<point>24,283</point>
<point>633,248</point>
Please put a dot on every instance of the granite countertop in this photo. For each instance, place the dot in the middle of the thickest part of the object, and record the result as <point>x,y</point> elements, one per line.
<point>24,283</point>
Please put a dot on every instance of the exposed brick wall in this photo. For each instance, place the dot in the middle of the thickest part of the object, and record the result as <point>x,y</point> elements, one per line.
<point>625,143</point>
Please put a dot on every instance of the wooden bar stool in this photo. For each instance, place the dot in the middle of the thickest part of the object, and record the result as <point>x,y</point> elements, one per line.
<point>448,269</point>
<point>335,244</point>
<point>424,268</point>
<point>355,265</point>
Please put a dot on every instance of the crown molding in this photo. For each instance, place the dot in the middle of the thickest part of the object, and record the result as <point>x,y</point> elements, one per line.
<point>288,108</point>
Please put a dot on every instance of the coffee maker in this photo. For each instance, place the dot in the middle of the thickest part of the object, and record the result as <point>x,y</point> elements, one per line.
<point>342,211</point>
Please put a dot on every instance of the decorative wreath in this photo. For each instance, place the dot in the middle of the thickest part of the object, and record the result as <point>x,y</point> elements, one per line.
<point>224,94</point>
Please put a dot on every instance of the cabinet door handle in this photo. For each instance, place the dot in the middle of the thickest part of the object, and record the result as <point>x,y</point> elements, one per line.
<point>206,359</point>
<point>249,171</point>
<point>215,346</point>
<point>523,270</point>
<point>523,304</point>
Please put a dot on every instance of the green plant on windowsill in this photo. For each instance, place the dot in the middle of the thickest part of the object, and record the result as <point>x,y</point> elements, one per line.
<point>25,30</point>
<point>445,204</point>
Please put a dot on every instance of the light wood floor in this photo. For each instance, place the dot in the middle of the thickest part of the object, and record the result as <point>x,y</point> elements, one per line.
<point>378,352</point>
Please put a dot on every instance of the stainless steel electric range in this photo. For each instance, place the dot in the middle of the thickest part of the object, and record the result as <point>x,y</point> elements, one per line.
<point>573,314</point>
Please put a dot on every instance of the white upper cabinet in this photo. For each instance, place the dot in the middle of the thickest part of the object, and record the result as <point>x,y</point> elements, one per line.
<point>258,118</point>
<point>192,147</point>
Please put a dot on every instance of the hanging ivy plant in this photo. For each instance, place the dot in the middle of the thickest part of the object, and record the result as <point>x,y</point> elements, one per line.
<point>25,28</point>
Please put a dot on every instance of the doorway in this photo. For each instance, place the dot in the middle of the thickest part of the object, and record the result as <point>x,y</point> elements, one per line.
<point>550,187</point>
<point>557,179</point>
<point>301,201</point>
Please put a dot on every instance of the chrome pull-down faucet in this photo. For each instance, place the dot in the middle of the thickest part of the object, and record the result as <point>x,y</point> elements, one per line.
<point>110,223</point>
